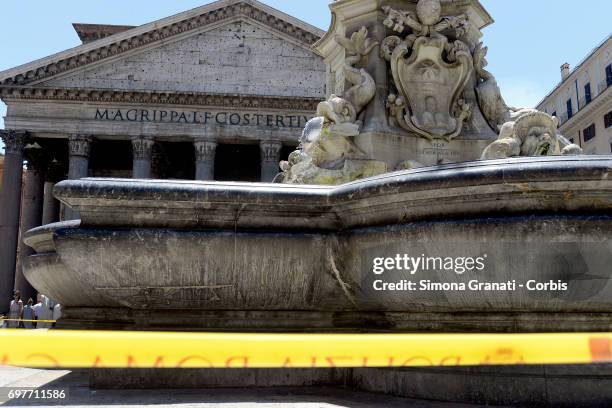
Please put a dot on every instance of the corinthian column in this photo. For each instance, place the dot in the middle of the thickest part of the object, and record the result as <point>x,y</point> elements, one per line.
<point>270,159</point>
<point>141,150</point>
<point>31,215</point>
<point>205,151</point>
<point>51,206</point>
<point>79,147</point>
<point>10,202</point>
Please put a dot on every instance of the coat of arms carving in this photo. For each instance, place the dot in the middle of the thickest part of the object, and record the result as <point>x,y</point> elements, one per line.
<point>429,71</point>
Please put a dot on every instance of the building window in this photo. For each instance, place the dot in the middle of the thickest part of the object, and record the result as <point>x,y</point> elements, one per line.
<point>589,133</point>
<point>587,93</point>
<point>609,75</point>
<point>570,111</point>
<point>608,119</point>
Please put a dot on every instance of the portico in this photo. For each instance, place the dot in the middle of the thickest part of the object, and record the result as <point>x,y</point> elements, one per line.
<point>155,101</point>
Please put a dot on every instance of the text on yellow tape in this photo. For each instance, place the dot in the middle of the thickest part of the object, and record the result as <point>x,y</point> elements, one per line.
<point>84,349</point>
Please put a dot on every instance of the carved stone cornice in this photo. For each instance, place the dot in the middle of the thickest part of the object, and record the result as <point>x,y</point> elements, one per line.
<point>106,51</point>
<point>8,93</point>
<point>205,150</point>
<point>270,151</point>
<point>142,147</point>
<point>14,141</point>
<point>79,145</point>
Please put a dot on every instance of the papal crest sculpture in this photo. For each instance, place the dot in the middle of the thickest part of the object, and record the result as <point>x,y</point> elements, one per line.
<point>429,72</point>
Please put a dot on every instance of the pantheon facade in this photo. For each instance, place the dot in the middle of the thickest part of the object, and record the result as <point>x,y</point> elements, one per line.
<point>220,92</point>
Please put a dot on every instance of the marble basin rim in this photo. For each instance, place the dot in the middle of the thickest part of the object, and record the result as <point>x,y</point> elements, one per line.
<point>499,187</point>
<point>236,247</point>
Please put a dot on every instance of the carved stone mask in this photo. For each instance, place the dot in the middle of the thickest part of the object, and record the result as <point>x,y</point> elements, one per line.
<point>536,131</point>
<point>538,142</point>
<point>429,11</point>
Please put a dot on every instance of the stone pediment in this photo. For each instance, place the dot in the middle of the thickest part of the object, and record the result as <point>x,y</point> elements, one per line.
<point>146,43</point>
<point>236,57</point>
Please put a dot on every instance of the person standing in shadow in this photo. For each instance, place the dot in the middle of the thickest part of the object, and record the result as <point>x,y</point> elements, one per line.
<point>28,314</point>
<point>15,310</point>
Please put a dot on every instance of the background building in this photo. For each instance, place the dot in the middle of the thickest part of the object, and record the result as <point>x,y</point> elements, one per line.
<point>583,101</point>
<point>220,92</point>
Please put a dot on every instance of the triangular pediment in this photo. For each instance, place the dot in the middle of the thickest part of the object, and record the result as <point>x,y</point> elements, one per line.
<point>158,38</point>
<point>240,56</point>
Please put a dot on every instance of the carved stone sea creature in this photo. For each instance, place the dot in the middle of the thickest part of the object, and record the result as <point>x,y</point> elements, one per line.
<point>327,151</point>
<point>491,102</point>
<point>363,86</point>
<point>534,133</point>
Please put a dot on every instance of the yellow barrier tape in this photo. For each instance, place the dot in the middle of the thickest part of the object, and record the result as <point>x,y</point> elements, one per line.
<point>86,349</point>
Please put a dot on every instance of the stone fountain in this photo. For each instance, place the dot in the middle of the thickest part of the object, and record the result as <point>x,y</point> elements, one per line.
<point>414,155</point>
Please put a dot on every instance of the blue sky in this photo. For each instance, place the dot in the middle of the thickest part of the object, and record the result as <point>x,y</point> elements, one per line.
<point>527,44</point>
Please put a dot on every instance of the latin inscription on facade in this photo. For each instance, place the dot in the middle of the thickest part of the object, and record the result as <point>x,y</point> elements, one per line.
<point>223,118</point>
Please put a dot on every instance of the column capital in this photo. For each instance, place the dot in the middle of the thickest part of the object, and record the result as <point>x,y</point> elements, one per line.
<point>79,145</point>
<point>205,149</point>
<point>270,151</point>
<point>14,140</point>
<point>142,147</point>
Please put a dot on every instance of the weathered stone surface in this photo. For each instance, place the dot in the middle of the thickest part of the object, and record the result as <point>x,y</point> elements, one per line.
<point>115,318</point>
<point>236,58</point>
<point>204,270</point>
<point>267,271</point>
<point>558,386</point>
<point>215,378</point>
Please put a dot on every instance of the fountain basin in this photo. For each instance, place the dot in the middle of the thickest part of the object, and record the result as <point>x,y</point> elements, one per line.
<point>198,255</point>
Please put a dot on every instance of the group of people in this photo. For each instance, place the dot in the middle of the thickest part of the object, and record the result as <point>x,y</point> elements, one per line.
<point>30,315</point>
